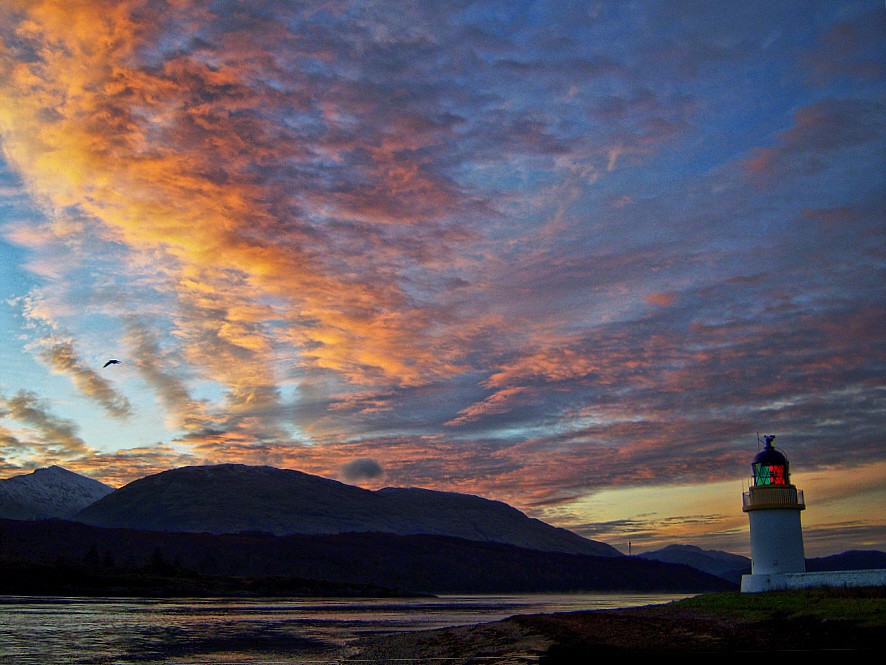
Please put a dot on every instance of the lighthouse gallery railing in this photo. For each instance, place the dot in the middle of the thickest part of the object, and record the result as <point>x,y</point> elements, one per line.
<point>772,497</point>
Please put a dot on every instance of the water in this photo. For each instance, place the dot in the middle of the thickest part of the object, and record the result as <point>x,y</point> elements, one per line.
<point>44,631</point>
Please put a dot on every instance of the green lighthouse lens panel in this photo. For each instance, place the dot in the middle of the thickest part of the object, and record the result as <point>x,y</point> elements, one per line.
<point>761,474</point>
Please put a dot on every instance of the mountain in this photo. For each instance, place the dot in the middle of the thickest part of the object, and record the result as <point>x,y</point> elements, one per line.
<point>56,557</point>
<point>732,566</point>
<point>233,498</point>
<point>722,564</point>
<point>851,560</point>
<point>50,492</point>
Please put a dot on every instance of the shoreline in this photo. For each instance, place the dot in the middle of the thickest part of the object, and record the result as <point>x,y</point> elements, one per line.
<point>817,620</point>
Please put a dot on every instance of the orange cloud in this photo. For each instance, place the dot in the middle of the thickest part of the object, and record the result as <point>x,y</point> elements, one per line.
<point>556,362</point>
<point>659,299</point>
<point>175,161</point>
<point>502,401</point>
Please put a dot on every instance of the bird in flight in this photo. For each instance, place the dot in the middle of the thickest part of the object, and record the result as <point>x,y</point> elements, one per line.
<point>111,362</point>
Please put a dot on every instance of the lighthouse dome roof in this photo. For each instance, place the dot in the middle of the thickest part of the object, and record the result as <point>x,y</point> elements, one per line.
<point>769,456</point>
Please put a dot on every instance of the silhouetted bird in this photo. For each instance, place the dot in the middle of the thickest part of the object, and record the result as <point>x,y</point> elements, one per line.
<point>111,362</point>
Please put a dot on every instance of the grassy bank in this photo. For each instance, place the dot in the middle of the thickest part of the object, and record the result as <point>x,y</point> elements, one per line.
<point>866,606</point>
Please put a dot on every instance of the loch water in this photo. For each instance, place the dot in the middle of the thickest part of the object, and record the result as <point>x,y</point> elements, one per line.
<point>97,631</point>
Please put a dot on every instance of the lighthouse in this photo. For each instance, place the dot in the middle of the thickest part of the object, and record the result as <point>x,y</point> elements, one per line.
<point>773,506</point>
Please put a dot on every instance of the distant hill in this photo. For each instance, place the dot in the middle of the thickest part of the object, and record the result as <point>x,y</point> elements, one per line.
<point>723,564</point>
<point>50,492</point>
<point>732,566</point>
<point>851,560</point>
<point>233,498</point>
<point>55,557</point>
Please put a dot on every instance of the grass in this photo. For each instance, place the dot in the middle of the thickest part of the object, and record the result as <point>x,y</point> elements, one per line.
<point>865,606</point>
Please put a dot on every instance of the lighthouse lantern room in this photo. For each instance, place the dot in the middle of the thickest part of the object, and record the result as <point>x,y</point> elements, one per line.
<point>773,506</point>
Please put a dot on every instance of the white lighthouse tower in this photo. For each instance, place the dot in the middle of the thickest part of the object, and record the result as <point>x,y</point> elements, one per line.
<point>773,506</point>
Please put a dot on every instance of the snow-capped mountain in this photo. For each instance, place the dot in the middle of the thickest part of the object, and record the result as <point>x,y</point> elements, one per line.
<point>50,492</point>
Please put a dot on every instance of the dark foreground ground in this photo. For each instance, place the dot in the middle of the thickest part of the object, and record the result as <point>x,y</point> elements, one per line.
<point>852,620</point>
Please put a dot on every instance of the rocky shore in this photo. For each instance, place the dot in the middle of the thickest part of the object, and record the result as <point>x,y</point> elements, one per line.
<point>852,620</point>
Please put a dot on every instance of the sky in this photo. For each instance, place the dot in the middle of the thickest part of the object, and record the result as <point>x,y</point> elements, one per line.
<point>574,256</point>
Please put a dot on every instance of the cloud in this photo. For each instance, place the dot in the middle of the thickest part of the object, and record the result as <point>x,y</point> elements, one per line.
<point>364,468</point>
<point>820,132</point>
<point>254,182</point>
<point>499,402</point>
<point>63,358</point>
<point>49,437</point>
<point>849,49</point>
<point>225,234</point>
<point>659,299</point>
<point>157,371</point>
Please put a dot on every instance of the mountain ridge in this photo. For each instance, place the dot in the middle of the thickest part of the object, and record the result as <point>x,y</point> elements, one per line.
<point>59,557</point>
<point>232,498</point>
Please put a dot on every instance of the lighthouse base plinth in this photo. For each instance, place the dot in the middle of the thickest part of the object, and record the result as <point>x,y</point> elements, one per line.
<point>834,578</point>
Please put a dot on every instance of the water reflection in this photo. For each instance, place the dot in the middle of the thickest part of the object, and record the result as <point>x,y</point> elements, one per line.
<point>99,631</point>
